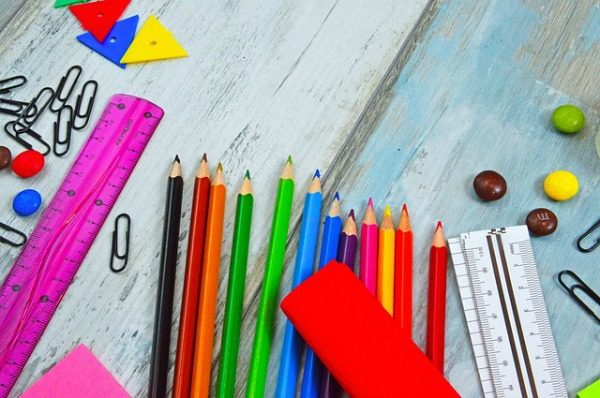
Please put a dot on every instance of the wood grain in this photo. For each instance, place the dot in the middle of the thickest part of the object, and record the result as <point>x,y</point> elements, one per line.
<point>263,80</point>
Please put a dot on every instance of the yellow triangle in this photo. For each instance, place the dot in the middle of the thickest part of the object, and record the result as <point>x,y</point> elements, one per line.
<point>152,43</point>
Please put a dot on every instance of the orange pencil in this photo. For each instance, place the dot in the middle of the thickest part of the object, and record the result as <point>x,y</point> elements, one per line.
<point>208,288</point>
<point>403,275</point>
<point>191,285</point>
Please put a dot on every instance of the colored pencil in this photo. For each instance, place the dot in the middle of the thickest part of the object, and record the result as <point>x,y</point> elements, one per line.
<point>292,347</point>
<point>403,273</point>
<point>191,286</point>
<point>369,238</point>
<point>385,264</point>
<point>330,388</point>
<point>313,369</point>
<point>270,289</point>
<point>235,291</point>
<point>159,360</point>
<point>436,305</point>
<point>209,280</point>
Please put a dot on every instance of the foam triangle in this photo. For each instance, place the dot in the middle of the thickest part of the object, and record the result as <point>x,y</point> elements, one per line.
<point>152,43</point>
<point>99,17</point>
<point>64,3</point>
<point>117,41</point>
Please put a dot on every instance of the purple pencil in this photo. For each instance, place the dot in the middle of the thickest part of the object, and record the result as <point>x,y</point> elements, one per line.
<point>347,255</point>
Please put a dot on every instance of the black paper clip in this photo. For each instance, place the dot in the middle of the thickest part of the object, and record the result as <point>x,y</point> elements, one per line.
<point>22,238</point>
<point>14,107</point>
<point>62,131</point>
<point>65,88</point>
<point>115,244</point>
<point>580,285</point>
<point>36,107</point>
<point>89,101</point>
<point>7,85</point>
<point>585,235</point>
<point>17,133</point>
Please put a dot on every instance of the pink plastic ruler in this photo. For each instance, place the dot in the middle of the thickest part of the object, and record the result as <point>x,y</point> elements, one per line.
<point>67,228</point>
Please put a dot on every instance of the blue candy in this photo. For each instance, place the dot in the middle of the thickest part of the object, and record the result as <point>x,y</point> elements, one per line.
<point>27,202</point>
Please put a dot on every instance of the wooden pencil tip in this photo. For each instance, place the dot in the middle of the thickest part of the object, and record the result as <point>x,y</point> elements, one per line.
<point>370,203</point>
<point>438,237</point>
<point>351,214</point>
<point>177,159</point>
<point>289,159</point>
<point>204,158</point>
<point>288,170</point>
<point>439,225</point>
<point>248,175</point>
<point>336,196</point>
<point>220,166</point>
<point>317,174</point>
<point>404,224</point>
<point>246,188</point>
<point>404,208</point>
<point>388,211</point>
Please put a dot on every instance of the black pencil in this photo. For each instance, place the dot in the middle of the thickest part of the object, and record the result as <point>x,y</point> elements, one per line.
<point>159,361</point>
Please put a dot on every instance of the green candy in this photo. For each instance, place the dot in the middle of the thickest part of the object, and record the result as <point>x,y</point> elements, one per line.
<point>568,119</point>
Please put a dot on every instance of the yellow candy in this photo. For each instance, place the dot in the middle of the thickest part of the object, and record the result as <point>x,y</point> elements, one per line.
<point>561,185</point>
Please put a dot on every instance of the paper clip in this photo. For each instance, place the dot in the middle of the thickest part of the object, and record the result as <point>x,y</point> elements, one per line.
<point>36,107</point>
<point>14,243</point>
<point>89,100</point>
<point>14,107</point>
<point>115,243</point>
<point>585,235</point>
<point>15,134</point>
<point>62,131</point>
<point>61,98</point>
<point>580,285</point>
<point>7,85</point>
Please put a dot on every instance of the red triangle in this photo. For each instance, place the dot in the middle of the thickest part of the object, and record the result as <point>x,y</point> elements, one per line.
<point>99,17</point>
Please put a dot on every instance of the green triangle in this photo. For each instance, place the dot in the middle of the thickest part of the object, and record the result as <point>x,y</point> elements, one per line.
<point>64,3</point>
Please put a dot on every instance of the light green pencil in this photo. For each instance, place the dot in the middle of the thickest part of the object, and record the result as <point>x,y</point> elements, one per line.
<point>270,291</point>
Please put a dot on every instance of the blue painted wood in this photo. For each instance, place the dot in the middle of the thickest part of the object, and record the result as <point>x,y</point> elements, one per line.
<point>477,94</point>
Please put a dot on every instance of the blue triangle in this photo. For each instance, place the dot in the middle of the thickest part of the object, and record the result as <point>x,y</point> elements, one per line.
<point>117,41</point>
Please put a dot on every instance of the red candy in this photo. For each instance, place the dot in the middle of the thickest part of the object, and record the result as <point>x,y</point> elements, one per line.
<point>28,163</point>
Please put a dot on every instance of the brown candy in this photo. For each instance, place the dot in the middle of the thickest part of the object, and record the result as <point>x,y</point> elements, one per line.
<point>541,222</point>
<point>5,157</point>
<point>489,185</point>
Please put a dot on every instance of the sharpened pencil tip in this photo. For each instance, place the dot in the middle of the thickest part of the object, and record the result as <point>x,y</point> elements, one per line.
<point>336,196</point>
<point>248,175</point>
<point>370,204</point>
<point>317,174</point>
<point>289,159</point>
<point>404,208</point>
<point>439,225</point>
<point>204,157</point>
<point>388,211</point>
<point>351,214</point>
<point>220,166</point>
<point>177,159</point>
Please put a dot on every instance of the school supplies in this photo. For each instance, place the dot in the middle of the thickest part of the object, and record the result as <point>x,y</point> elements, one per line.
<point>591,391</point>
<point>291,350</point>
<point>64,3</point>
<point>235,291</point>
<point>99,17</point>
<point>330,388</point>
<point>584,236</point>
<point>119,39</point>
<point>403,273</point>
<point>78,375</point>
<point>209,284</point>
<point>506,314</point>
<point>182,379</point>
<point>270,288</point>
<point>159,358</point>
<point>9,84</point>
<point>385,263</point>
<point>152,43</point>
<point>121,255</point>
<point>313,369</point>
<point>369,238</point>
<point>580,285</point>
<point>12,236</point>
<point>436,303</point>
<point>363,346</point>
<point>42,273</point>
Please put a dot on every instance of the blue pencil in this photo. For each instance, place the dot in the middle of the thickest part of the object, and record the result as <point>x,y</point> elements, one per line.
<point>311,380</point>
<point>293,345</point>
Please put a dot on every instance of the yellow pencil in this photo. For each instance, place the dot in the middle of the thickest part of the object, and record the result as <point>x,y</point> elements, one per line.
<point>385,263</point>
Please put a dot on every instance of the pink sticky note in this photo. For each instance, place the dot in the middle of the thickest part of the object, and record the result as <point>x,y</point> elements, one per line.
<point>79,375</point>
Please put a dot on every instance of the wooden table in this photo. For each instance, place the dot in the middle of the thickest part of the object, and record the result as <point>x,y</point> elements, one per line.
<point>403,101</point>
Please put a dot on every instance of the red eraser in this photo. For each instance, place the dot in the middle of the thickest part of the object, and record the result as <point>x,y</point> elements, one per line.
<point>358,341</point>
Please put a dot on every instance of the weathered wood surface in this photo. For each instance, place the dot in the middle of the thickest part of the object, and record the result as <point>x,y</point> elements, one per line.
<point>476,94</point>
<point>263,80</point>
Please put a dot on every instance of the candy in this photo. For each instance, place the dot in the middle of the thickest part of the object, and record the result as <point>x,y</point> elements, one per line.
<point>561,185</point>
<point>5,157</point>
<point>28,163</point>
<point>541,222</point>
<point>489,185</point>
<point>568,119</point>
<point>27,202</point>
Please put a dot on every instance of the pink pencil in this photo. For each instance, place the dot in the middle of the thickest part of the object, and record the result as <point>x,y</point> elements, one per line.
<point>369,237</point>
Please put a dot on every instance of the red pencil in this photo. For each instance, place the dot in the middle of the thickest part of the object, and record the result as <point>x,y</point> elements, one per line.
<point>191,286</point>
<point>436,305</point>
<point>403,278</point>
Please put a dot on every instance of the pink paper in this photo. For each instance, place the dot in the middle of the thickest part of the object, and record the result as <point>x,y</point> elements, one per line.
<point>79,375</point>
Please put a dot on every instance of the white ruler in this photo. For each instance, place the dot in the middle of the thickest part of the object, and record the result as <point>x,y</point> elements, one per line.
<point>506,314</point>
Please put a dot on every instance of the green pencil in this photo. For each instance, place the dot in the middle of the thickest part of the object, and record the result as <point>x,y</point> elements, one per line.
<point>270,289</point>
<point>235,291</point>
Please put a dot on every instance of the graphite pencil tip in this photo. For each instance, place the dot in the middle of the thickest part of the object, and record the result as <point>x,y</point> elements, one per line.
<point>351,214</point>
<point>204,157</point>
<point>177,159</point>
